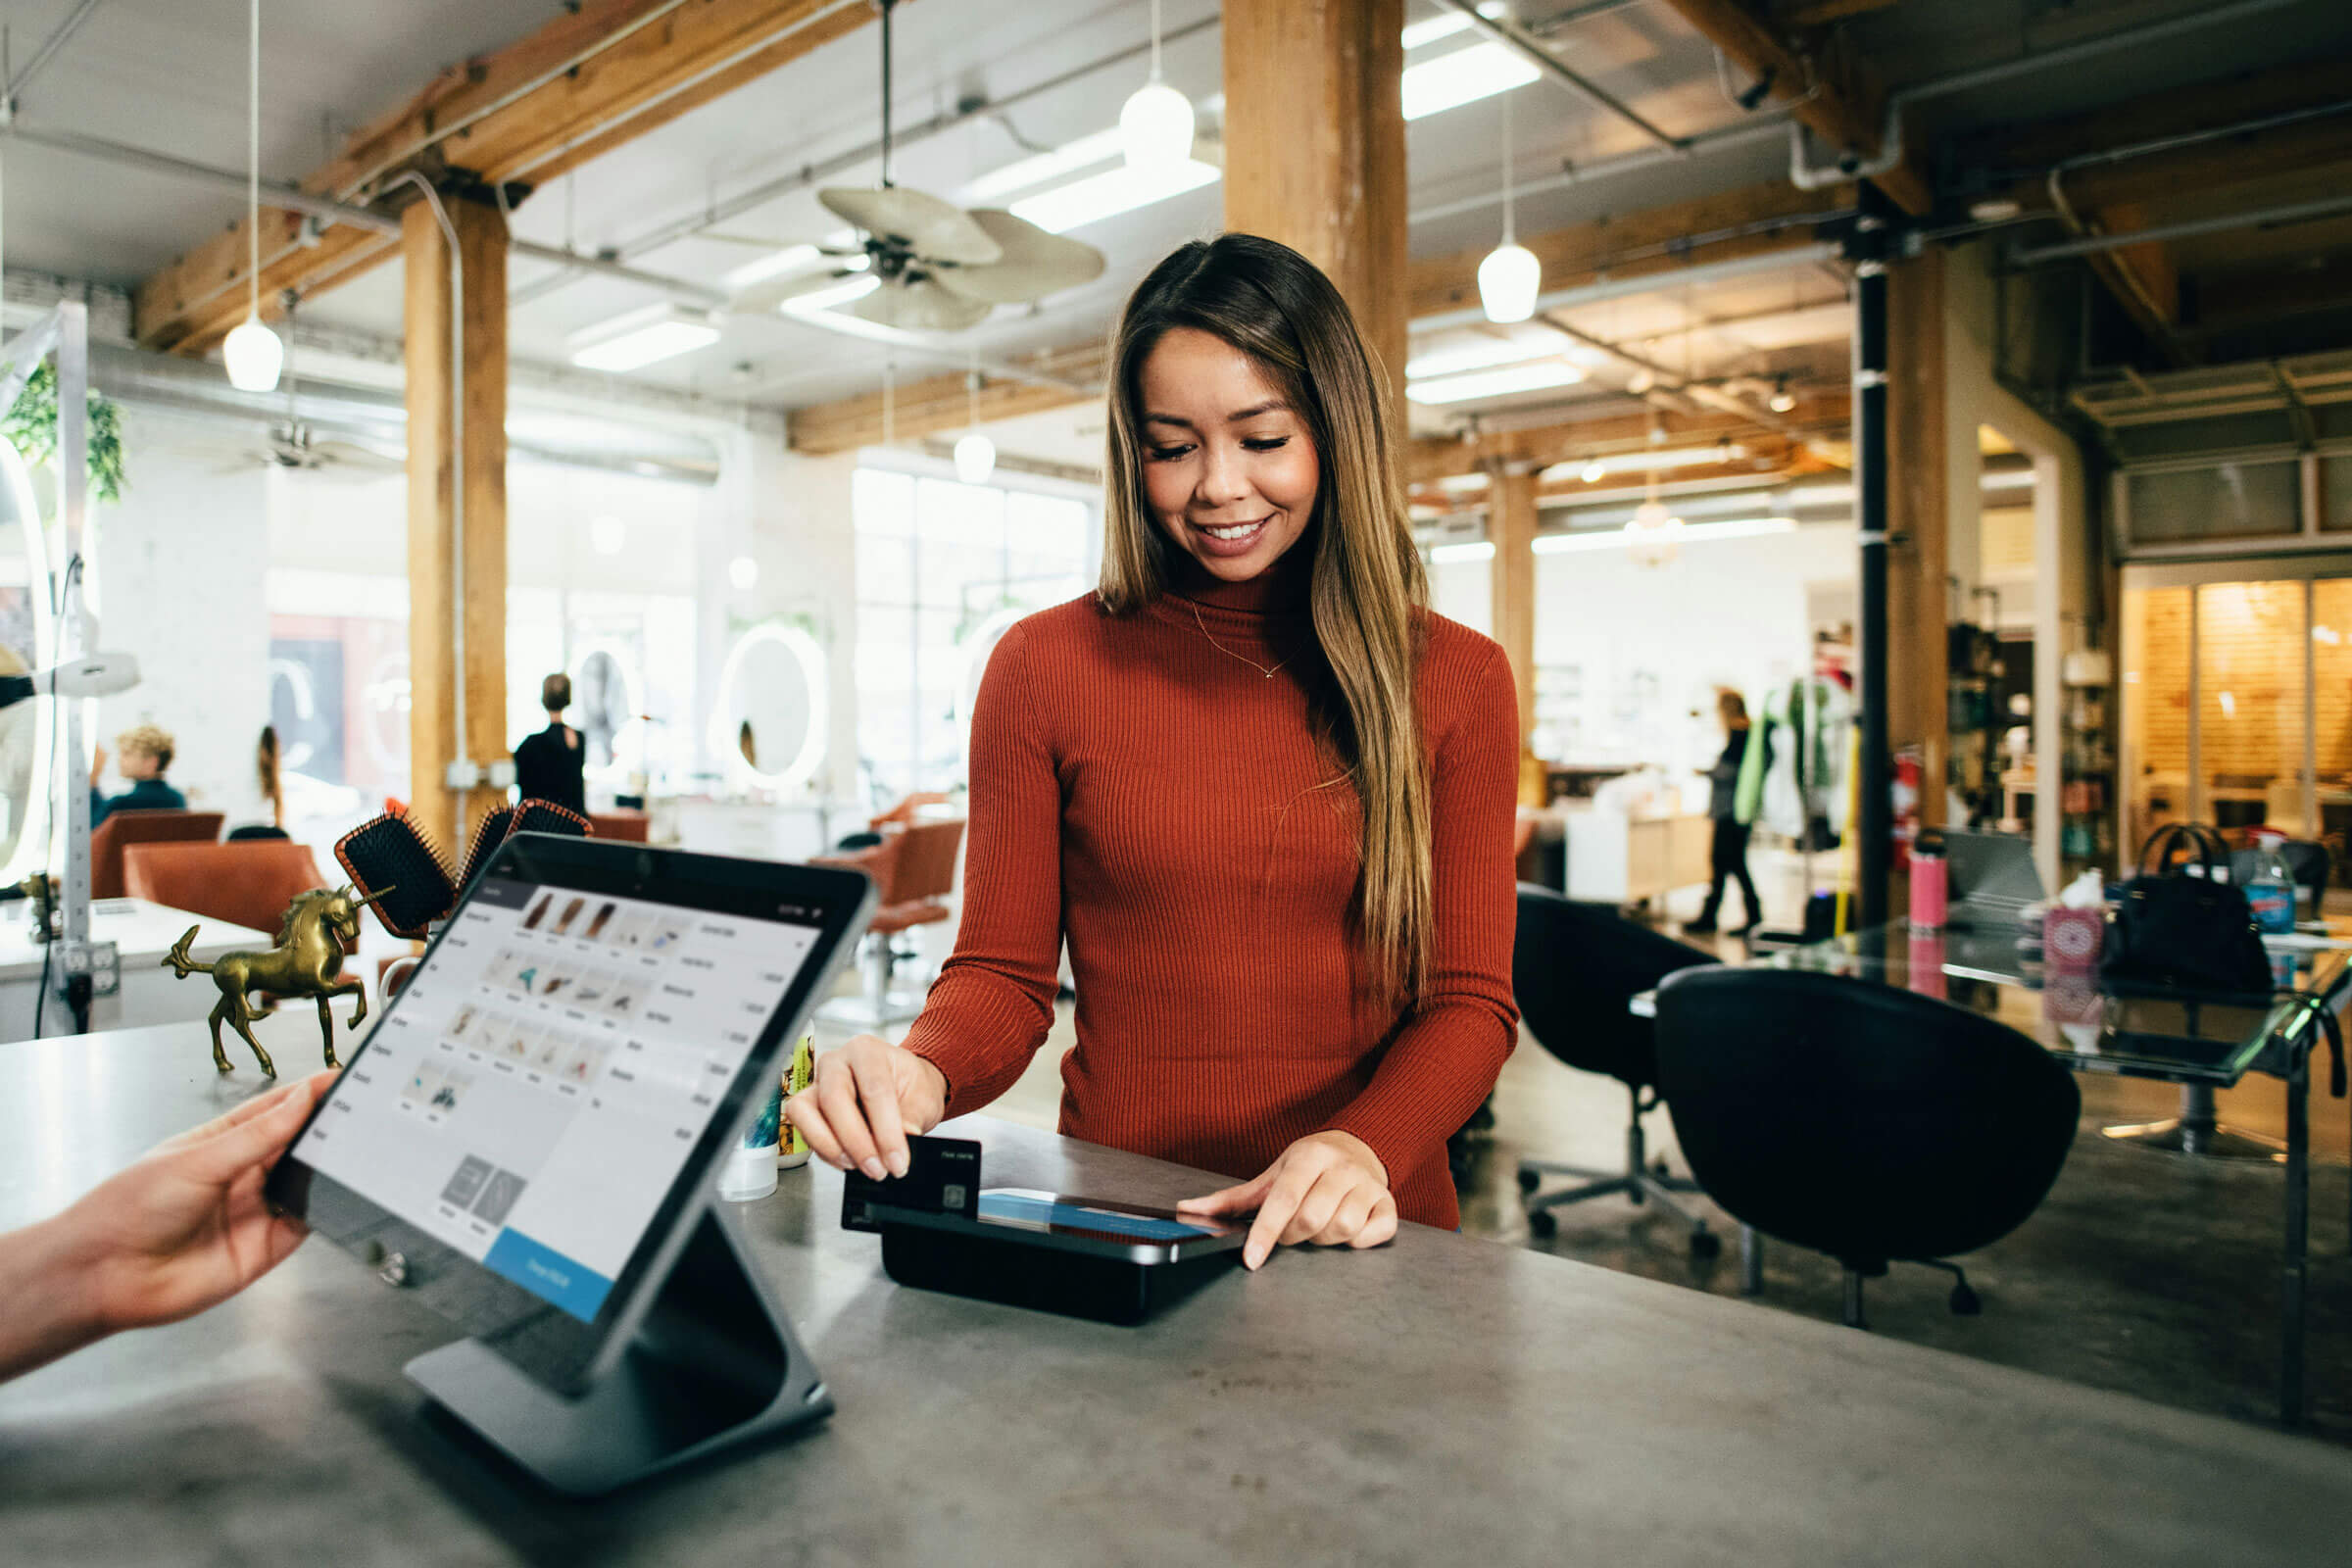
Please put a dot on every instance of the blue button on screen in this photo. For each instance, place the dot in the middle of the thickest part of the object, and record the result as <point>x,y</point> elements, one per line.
<point>548,1274</point>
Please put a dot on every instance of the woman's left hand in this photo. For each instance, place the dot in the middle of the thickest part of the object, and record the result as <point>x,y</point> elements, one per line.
<point>1328,1189</point>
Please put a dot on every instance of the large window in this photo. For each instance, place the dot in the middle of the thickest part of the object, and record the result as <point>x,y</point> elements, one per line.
<point>942,570</point>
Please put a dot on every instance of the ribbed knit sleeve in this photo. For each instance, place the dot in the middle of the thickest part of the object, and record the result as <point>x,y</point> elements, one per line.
<point>1445,1061</point>
<point>993,1001</point>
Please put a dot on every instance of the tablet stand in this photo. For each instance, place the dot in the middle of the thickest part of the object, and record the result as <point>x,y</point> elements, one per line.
<point>713,1363</point>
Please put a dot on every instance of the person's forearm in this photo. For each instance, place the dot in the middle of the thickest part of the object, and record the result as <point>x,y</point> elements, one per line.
<point>44,1298</point>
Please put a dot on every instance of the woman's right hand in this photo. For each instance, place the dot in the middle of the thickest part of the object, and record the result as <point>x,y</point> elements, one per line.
<point>863,1100</point>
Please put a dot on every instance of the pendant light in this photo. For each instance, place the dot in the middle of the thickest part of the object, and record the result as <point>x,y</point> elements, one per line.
<point>251,352</point>
<point>1157,125</point>
<point>975,453</point>
<point>1510,275</point>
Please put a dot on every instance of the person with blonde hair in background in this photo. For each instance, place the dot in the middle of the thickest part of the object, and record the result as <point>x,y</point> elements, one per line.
<point>143,752</point>
<point>1264,793</point>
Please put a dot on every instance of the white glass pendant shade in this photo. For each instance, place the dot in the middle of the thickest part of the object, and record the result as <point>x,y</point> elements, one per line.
<point>1652,533</point>
<point>975,459</point>
<point>1507,282</point>
<point>254,356</point>
<point>1155,127</point>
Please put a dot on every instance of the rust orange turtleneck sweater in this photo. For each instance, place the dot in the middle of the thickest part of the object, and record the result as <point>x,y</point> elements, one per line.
<point>1141,790</point>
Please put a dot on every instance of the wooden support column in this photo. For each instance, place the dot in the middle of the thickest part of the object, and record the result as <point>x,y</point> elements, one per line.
<point>1314,149</point>
<point>1917,494</point>
<point>438,560</point>
<point>1511,526</point>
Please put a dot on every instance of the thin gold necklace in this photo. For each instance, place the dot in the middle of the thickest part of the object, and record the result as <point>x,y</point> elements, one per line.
<point>1229,652</point>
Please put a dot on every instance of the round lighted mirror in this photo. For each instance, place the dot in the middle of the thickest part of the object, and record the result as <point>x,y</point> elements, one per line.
<point>770,726</point>
<point>603,705</point>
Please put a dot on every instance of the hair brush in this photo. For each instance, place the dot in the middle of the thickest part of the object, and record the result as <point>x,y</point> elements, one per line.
<point>488,834</point>
<point>392,861</point>
<point>544,817</point>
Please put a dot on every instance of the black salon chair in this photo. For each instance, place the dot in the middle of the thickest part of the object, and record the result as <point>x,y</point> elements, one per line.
<point>1872,1124</point>
<point>1576,968</point>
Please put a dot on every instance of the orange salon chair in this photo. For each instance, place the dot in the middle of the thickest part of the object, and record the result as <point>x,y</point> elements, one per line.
<point>621,827</point>
<point>913,869</point>
<point>121,829</point>
<point>248,883</point>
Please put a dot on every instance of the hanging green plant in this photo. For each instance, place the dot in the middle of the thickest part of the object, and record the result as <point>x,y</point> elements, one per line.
<point>30,426</point>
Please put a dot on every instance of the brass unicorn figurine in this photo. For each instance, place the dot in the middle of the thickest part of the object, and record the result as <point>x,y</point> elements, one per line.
<point>308,961</point>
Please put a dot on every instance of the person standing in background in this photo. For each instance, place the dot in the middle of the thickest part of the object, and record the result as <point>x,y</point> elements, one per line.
<point>1727,853</point>
<point>551,764</point>
<point>263,816</point>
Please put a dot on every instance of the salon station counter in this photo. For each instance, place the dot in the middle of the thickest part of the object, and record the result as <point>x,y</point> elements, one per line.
<point>1442,1400</point>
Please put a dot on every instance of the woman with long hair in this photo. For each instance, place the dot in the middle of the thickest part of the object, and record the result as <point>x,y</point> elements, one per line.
<point>1261,791</point>
<point>1728,852</point>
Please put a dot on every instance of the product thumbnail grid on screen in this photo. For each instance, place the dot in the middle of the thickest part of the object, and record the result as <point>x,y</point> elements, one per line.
<point>543,1079</point>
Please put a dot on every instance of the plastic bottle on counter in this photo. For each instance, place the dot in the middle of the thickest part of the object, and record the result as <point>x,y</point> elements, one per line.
<point>2271,887</point>
<point>751,1169</point>
<point>792,1152</point>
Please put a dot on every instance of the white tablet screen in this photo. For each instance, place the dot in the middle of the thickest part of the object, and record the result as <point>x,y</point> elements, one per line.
<point>533,1096</point>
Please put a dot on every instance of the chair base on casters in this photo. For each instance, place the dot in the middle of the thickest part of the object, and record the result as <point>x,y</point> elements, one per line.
<point>879,1006</point>
<point>1963,1300</point>
<point>1639,1182</point>
<point>2199,1131</point>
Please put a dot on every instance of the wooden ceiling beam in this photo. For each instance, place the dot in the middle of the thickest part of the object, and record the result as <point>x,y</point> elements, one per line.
<point>1434,457</point>
<point>1655,241</point>
<point>599,74</point>
<point>1834,98</point>
<point>940,404</point>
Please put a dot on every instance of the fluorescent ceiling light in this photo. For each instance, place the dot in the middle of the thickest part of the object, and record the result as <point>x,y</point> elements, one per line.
<point>1463,77</point>
<point>1641,462</point>
<point>797,259</point>
<point>1458,483</point>
<point>1454,555</point>
<point>776,264</point>
<point>1112,192</point>
<point>1529,377</point>
<point>824,299</point>
<point>1045,167</point>
<point>1477,351</point>
<point>640,338</point>
<point>1562,543</point>
<point>1446,24</point>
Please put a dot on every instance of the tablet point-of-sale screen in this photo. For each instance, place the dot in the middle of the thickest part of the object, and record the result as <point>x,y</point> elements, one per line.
<point>544,1077</point>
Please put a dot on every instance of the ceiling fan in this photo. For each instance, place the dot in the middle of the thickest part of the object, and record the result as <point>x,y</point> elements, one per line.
<point>294,445</point>
<point>941,269</point>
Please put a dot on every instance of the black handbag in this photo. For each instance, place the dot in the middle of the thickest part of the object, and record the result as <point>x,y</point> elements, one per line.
<point>2177,932</point>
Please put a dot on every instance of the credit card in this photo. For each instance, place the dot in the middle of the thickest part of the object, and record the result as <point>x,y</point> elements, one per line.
<point>943,1177</point>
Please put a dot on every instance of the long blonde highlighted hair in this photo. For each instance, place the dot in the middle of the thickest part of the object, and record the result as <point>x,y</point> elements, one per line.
<point>1369,593</point>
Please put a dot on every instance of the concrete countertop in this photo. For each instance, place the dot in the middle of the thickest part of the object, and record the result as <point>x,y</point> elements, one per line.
<point>1440,1401</point>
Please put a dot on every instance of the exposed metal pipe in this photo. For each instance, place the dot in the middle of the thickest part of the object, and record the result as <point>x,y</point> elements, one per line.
<point>2260,217</point>
<point>2070,54</point>
<point>56,39</point>
<point>286,198</point>
<point>1528,48</point>
<point>1765,127</point>
<point>677,288</point>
